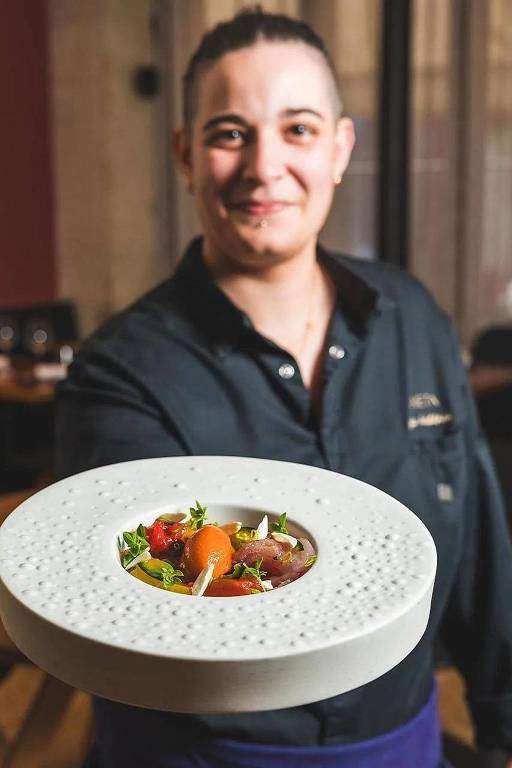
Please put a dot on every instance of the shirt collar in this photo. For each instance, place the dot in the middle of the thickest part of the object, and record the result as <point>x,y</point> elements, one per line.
<point>359,296</point>
<point>206,304</point>
<point>225,324</point>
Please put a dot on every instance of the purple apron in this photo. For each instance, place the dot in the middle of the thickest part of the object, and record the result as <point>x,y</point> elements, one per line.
<point>417,743</point>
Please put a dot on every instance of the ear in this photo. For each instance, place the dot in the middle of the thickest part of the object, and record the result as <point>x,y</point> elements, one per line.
<point>183,153</point>
<point>344,144</point>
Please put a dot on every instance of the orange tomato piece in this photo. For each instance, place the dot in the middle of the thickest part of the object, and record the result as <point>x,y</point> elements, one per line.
<point>209,544</point>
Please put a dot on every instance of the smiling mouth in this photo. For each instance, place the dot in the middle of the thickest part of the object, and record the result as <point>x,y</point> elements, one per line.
<point>253,208</point>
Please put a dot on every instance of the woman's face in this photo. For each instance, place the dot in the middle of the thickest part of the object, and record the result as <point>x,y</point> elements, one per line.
<point>265,149</point>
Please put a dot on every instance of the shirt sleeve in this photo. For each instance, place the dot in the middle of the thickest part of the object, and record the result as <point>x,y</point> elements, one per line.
<point>477,628</point>
<point>106,415</point>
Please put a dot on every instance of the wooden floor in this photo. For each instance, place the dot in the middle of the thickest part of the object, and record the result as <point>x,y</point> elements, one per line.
<point>64,746</point>
<point>452,708</point>
<point>43,722</point>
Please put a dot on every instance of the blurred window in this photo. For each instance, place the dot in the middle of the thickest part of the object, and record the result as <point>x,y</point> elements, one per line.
<point>461,165</point>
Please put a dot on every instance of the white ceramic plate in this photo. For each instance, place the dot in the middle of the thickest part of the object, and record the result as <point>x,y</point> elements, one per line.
<point>69,605</point>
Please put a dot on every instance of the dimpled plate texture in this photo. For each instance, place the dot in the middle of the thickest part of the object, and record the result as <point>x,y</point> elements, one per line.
<point>69,605</point>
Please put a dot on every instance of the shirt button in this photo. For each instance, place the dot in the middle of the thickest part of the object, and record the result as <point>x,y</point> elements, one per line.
<point>286,371</point>
<point>336,352</point>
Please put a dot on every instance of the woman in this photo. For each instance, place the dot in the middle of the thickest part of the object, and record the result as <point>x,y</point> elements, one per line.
<point>262,344</point>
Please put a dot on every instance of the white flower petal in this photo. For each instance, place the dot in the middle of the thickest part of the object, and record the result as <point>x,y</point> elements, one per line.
<point>231,528</point>
<point>284,538</point>
<point>262,529</point>
<point>200,584</point>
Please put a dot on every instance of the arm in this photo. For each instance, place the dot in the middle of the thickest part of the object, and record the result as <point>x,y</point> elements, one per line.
<point>104,416</point>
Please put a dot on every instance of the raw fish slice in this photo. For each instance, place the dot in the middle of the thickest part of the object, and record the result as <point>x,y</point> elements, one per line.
<point>270,551</point>
<point>295,567</point>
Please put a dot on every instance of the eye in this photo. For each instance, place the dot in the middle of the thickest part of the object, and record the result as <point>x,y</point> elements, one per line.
<point>233,133</point>
<point>301,131</point>
<point>227,137</point>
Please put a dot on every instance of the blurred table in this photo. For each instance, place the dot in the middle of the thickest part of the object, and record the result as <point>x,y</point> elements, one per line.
<point>487,379</point>
<point>30,382</point>
<point>14,389</point>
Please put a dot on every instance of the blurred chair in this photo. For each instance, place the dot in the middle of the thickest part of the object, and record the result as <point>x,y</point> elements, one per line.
<point>26,444</point>
<point>492,351</point>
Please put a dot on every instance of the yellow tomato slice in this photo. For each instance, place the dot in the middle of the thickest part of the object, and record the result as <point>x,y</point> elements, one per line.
<point>142,576</point>
<point>182,588</point>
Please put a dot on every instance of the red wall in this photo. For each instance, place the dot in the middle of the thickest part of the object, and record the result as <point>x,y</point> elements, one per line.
<point>27,268</point>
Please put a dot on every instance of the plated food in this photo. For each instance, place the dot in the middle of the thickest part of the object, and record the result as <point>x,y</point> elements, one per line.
<point>185,553</point>
<point>359,610</point>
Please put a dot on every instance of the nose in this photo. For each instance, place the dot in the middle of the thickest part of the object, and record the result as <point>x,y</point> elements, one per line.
<point>264,158</point>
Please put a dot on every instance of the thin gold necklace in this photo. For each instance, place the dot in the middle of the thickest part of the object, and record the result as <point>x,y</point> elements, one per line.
<point>310,323</point>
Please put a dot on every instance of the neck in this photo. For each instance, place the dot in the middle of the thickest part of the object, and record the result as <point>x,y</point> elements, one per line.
<point>290,303</point>
<point>268,293</point>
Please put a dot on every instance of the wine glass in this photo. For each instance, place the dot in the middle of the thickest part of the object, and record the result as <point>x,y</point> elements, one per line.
<point>9,334</point>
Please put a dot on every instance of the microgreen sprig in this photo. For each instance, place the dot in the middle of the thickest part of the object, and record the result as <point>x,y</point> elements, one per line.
<point>171,576</point>
<point>197,515</point>
<point>166,573</point>
<point>137,544</point>
<point>242,569</point>
<point>280,526</point>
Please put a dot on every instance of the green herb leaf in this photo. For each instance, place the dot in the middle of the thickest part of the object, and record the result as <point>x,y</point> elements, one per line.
<point>166,573</point>
<point>171,576</point>
<point>236,572</point>
<point>197,516</point>
<point>126,558</point>
<point>241,569</point>
<point>137,543</point>
<point>280,526</point>
<point>310,561</point>
<point>299,546</point>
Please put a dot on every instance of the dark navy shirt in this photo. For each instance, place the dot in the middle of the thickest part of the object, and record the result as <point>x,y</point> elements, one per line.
<point>183,371</point>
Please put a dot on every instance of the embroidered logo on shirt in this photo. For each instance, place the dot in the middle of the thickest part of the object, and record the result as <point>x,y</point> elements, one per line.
<point>429,420</point>
<point>423,400</point>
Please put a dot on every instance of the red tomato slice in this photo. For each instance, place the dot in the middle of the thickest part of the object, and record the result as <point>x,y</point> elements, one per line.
<point>162,535</point>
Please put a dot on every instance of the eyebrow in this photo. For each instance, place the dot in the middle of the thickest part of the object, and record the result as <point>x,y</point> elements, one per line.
<point>238,120</point>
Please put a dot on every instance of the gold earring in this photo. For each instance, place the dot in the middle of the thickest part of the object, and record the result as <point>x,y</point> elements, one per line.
<point>337,179</point>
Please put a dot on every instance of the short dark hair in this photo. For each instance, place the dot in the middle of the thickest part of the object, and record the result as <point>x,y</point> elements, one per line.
<point>246,28</point>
